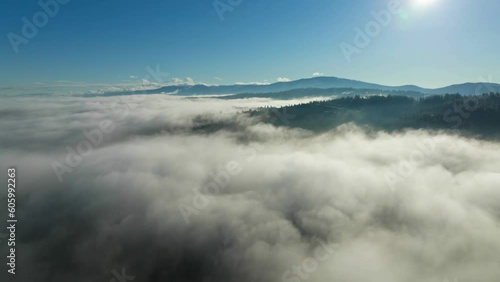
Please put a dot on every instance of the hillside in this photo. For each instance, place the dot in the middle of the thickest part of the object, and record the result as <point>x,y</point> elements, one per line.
<point>478,115</point>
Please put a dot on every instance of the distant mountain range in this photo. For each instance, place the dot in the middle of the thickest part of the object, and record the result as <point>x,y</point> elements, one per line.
<point>315,82</point>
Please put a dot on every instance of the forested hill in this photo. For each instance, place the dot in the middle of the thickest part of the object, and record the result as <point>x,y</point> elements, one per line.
<point>479,115</point>
<point>319,92</point>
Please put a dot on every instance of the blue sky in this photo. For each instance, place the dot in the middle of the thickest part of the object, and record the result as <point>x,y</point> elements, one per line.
<point>103,43</point>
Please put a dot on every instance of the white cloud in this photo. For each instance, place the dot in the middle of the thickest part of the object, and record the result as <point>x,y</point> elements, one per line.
<point>318,74</point>
<point>294,187</point>
<point>65,87</point>
<point>265,82</point>
<point>180,81</point>
<point>282,79</point>
<point>189,81</point>
<point>146,82</point>
<point>176,81</point>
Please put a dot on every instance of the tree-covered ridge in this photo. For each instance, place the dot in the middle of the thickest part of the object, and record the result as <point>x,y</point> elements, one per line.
<point>472,114</point>
<point>330,92</point>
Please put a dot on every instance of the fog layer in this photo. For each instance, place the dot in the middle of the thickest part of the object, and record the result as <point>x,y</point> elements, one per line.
<point>174,189</point>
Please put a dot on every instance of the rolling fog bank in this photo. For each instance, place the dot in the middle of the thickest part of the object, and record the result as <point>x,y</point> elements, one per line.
<point>174,189</point>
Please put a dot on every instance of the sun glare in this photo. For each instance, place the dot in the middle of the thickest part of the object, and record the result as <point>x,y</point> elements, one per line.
<point>424,3</point>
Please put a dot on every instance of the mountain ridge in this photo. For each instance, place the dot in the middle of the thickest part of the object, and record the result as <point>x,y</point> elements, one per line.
<point>321,82</point>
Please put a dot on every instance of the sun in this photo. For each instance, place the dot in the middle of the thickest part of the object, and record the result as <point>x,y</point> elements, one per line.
<point>423,3</point>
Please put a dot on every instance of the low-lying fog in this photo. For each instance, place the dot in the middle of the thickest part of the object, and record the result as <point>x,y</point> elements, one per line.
<point>125,184</point>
